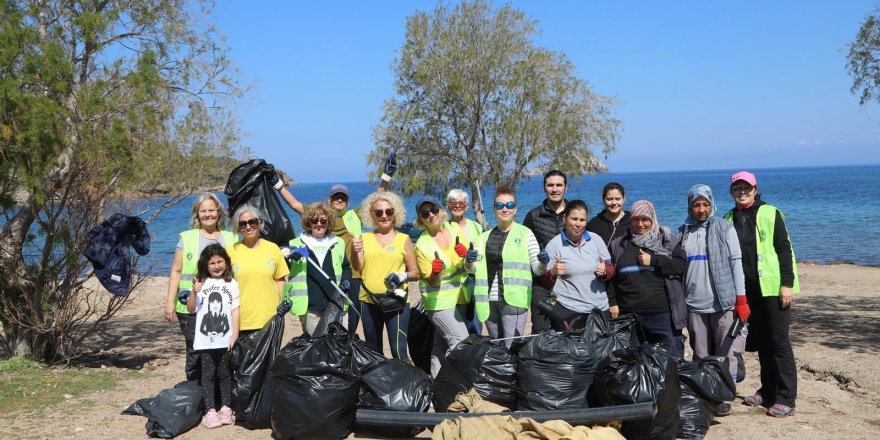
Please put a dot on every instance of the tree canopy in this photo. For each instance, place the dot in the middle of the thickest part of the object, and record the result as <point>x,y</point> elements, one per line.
<point>477,102</point>
<point>863,61</point>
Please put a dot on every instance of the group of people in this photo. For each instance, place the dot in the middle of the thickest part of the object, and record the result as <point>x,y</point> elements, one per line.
<point>558,266</point>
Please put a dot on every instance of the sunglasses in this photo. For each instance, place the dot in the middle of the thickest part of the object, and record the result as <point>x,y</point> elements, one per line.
<point>388,212</point>
<point>434,209</point>
<point>509,205</point>
<point>321,221</point>
<point>339,198</point>
<point>254,222</point>
<point>457,205</point>
<point>741,188</point>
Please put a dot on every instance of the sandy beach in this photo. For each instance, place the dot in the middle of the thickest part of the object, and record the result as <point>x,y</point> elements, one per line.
<point>834,331</point>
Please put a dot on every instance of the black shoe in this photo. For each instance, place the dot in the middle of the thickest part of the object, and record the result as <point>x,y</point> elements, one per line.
<point>723,410</point>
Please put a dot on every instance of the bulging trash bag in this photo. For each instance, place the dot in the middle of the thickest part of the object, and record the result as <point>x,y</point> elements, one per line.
<point>394,385</point>
<point>488,367</point>
<point>420,337</point>
<point>605,335</point>
<point>249,184</point>
<point>251,359</point>
<point>637,375</point>
<point>173,412</point>
<point>705,384</point>
<point>316,383</point>
<point>553,371</point>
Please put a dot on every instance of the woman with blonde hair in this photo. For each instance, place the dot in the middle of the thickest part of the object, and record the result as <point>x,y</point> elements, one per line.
<point>207,217</point>
<point>386,260</point>
<point>310,290</point>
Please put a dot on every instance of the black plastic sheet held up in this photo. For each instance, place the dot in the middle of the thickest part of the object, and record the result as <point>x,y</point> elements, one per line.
<point>249,184</point>
<point>251,359</point>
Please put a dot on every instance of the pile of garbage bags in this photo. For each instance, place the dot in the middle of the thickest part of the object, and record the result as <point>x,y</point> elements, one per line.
<point>705,384</point>
<point>173,412</point>
<point>488,367</point>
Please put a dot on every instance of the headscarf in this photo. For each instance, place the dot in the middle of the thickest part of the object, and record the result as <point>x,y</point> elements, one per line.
<point>653,239</point>
<point>699,190</point>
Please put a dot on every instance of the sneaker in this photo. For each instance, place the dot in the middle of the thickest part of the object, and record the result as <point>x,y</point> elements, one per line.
<point>212,420</point>
<point>755,400</point>
<point>723,410</point>
<point>226,416</point>
<point>779,410</point>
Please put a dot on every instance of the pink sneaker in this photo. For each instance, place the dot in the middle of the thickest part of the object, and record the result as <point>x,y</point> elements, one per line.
<point>226,416</point>
<point>212,420</point>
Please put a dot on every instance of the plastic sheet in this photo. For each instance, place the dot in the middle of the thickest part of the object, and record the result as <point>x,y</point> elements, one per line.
<point>173,412</point>
<point>251,359</point>
<point>249,184</point>
<point>637,375</point>
<point>488,367</point>
<point>705,384</point>
<point>554,371</point>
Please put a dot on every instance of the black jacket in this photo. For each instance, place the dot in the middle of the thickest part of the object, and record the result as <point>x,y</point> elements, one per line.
<point>320,290</point>
<point>109,254</point>
<point>607,229</point>
<point>544,222</point>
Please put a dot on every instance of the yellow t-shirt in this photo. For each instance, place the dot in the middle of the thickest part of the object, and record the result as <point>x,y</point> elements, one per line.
<point>380,262</point>
<point>256,270</point>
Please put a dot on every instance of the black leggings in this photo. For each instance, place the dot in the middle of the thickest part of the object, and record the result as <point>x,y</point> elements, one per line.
<point>215,364</point>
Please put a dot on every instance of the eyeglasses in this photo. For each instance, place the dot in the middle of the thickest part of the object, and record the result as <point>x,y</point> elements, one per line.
<point>321,221</point>
<point>339,198</point>
<point>434,209</point>
<point>254,222</point>
<point>388,212</point>
<point>501,205</point>
<point>742,188</point>
<point>457,205</point>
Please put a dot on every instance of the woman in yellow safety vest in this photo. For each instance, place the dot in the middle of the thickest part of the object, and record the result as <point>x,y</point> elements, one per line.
<point>771,278</point>
<point>386,261</point>
<point>457,203</point>
<point>441,253</point>
<point>509,256</point>
<point>207,217</point>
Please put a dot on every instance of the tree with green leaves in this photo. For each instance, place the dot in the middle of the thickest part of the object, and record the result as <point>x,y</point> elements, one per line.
<point>102,102</point>
<point>863,61</point>
<point>477,102</point>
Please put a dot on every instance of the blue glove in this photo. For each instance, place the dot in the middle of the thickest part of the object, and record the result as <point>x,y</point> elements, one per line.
<point>284,307</point>
<point>345,286</point>
<point>391,164</point>
<point>297,253</point>
<point>544,257</point>
<point>472,254</point>
<point>396,279</point>
<point>183,295</point>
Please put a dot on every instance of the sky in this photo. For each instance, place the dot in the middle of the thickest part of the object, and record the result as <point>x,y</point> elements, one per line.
<point>700,85</point>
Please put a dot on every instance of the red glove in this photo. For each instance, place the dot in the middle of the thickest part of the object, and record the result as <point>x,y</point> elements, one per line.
<point>437,265</point>
<point>741,309</point>
<point>459,248</point>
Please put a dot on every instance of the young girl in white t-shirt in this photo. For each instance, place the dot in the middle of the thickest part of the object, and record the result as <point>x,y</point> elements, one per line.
<point>216,308</point>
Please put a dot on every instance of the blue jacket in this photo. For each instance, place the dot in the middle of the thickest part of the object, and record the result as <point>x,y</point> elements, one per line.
<point>109,254</point>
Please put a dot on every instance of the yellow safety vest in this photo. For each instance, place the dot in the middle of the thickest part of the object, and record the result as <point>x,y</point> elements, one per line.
<point>446,295</point>
<point>190,267</point>
<point>296,288</point>
<point>516,271</point>
<point>768,262</point>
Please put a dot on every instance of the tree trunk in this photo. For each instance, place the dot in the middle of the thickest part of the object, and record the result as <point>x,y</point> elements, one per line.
<point>477,201</point>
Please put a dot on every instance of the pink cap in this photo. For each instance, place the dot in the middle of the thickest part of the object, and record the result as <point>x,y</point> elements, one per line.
<point>744,176</point>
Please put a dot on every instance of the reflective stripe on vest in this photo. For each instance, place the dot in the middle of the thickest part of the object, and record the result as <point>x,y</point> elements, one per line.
<point>297,288</point>
<point>516,273</point>
<point>450,291</point>
<point>190,265</point>
<point>768,262</point>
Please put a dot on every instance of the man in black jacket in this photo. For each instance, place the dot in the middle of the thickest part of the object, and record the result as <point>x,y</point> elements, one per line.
<point>546,222</point>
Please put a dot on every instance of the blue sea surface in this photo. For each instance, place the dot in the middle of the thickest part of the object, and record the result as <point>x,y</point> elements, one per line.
<point>830,211</point>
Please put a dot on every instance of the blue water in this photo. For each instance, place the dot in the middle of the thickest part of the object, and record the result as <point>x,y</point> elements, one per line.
<point>830,211</point>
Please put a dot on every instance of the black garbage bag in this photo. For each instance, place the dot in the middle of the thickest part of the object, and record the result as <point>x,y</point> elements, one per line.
<point>249,184</point>
<point>394,385</point>
<point>316,383</point>
<point>705,384</point>
<point>553,371</point>
<point>420,337</point>
<point>637,375</point>
<point>251,359</point>
<point>605,335</point>
<point>173,412</point>
<point>489,367</point>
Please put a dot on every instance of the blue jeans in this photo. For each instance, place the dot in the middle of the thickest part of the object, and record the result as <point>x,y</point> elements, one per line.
<point>395,323</point>
<point>657,328</point>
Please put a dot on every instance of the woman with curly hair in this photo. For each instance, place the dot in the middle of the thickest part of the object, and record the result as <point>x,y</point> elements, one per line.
<point>387,261</point>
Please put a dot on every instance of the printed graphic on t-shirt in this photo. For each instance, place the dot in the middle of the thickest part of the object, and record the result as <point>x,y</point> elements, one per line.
<point>214,306</point>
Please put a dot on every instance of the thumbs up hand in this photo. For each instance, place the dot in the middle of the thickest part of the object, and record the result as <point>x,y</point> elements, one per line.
<point>437,265</point>
<point>459,248</point>
<point>644,258</point>
<point>543,257</point>
<point>600,268</point>
<point>472,254</point>
<point>558,269</point>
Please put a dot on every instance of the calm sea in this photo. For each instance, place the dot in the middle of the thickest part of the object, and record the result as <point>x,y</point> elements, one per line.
<point>830,211</point>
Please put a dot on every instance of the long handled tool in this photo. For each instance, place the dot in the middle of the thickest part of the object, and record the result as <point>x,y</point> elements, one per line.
<point>333,283</point>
